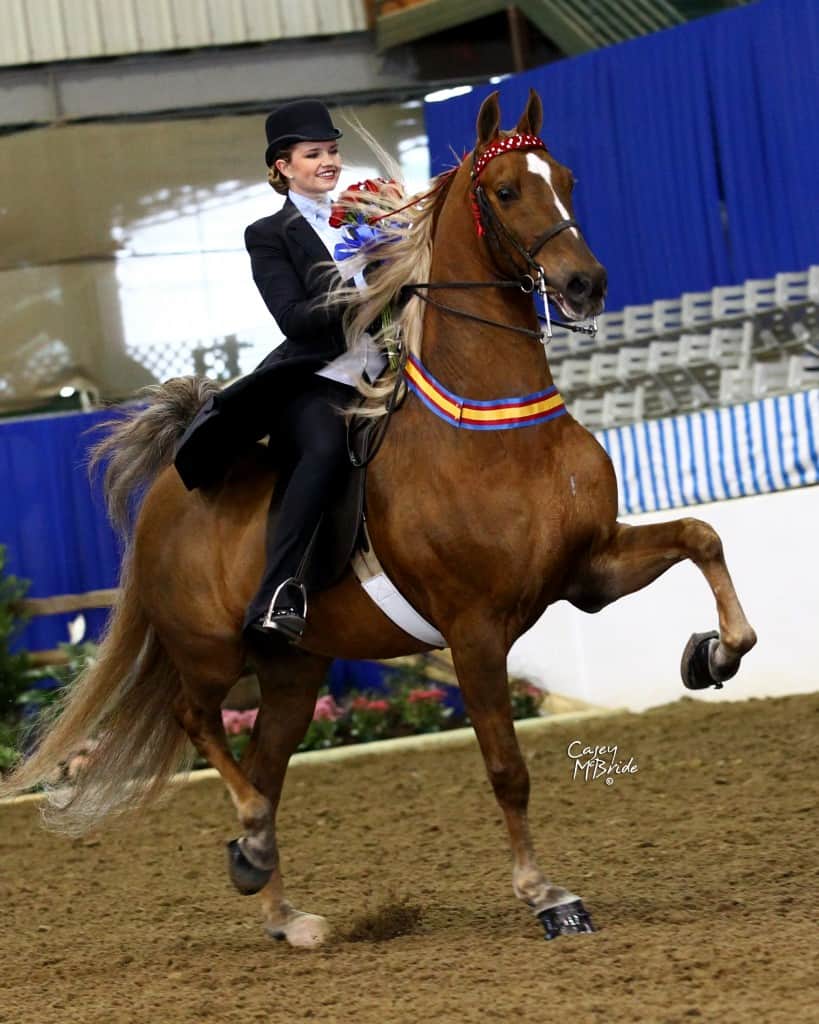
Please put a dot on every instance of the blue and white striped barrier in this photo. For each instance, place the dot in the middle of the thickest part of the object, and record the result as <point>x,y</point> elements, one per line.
<point>762,446</point>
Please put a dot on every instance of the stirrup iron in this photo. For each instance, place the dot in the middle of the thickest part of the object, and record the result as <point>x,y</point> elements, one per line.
<point>271,620</point>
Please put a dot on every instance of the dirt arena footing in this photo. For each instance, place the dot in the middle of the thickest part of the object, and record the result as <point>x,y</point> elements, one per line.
<point>700,869</point>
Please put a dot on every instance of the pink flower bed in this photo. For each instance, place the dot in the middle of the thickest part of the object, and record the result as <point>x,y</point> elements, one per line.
<point>365,704</point>
<point>237,722</point>
<point>360,718</point>
<point>432,694</point>
<point>326,710</point>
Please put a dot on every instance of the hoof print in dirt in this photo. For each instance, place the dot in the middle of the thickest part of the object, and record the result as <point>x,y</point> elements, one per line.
<point>695,668</point>
<point>566,919</point>
<point>247,878</point>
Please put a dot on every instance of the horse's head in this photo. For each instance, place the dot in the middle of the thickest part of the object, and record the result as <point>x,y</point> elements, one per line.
<point>522,199</point>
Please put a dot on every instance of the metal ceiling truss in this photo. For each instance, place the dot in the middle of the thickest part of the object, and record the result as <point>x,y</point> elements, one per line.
<point>575,26</point>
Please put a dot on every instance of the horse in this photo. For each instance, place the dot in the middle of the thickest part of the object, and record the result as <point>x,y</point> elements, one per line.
<point>480,529</point>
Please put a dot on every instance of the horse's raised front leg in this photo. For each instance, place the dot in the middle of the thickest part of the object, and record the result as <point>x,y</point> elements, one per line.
<point>636,555</point>
<point>289,686</point>
<point>479,656</point>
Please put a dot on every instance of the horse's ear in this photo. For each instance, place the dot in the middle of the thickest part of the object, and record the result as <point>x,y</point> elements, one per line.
<point>488,119</point>
<point>532,117</point>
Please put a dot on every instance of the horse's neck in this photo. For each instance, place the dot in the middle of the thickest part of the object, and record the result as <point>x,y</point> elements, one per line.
<point>474,359</point>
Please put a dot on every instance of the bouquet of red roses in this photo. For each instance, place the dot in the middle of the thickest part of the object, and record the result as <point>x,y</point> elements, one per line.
<point>350,212</point>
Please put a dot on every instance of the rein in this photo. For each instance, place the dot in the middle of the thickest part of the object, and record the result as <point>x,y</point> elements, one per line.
<point>416,200</point>
<point>521,284</point>
<point>412,290</point>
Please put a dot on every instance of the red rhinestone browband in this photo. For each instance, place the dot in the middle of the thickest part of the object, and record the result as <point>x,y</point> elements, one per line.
<point>506,145</point>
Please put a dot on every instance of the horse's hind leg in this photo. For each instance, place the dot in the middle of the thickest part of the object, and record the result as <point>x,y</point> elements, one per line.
<point>479,656</point>
<point>636,555</point>
<point>289,686</point>
<point>206,681</point>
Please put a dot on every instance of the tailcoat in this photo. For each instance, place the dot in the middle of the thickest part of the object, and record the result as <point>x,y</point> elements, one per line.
<point>294,274</point>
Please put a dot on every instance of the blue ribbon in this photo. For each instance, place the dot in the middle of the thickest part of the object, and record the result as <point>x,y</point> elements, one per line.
<point>360,236</point>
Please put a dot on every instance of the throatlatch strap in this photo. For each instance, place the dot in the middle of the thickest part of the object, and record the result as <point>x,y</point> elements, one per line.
<point>471,414</point>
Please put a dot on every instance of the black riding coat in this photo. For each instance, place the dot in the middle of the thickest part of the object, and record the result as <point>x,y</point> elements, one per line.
<point>286,256</point>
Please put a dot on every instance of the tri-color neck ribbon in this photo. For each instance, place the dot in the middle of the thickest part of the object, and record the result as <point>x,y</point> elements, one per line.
<point>471,414</point>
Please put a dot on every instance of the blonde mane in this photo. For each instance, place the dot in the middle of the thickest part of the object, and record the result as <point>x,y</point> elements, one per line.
<point>404,254</point>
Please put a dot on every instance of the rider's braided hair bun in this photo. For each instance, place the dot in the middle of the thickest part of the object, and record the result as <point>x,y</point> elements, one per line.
<point>275,177</point>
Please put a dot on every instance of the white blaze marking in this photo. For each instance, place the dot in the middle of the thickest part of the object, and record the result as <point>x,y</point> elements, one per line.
<point>537,165</point>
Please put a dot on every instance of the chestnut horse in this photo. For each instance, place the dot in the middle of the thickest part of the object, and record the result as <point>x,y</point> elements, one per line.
<point>480,529</point>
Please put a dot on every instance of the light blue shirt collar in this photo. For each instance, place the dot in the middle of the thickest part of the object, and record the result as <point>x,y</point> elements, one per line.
<point>316,211</point>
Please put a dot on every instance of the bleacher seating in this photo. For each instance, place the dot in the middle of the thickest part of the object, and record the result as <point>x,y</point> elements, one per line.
<point>702,349</point>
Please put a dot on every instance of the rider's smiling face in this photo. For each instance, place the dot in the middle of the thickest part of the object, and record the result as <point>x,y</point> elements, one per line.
<point>313,168</point>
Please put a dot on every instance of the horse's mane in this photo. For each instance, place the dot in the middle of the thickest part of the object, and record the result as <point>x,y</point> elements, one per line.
<point>403,255</point>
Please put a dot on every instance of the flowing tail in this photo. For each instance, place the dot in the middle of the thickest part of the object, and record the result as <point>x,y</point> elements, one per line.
<point>125,698</point>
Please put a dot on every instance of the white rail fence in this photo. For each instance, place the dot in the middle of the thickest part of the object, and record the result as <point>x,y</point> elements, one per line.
<point>756,447</point>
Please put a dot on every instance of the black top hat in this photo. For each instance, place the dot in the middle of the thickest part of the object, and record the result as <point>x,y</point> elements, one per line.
<point>301,121</point>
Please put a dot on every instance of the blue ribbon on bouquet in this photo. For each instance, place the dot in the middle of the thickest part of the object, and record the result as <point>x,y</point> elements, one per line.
<point>360,237</point>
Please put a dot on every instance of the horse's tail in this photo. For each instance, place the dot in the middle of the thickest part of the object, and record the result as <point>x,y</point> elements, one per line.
<point>125,698</point>
<point>140,443</point>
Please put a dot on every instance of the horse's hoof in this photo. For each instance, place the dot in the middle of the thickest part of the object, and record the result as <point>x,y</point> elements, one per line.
<point>566,919</point>
<point>694,667</point>
<point>305,931</point>
<point>247,878</point>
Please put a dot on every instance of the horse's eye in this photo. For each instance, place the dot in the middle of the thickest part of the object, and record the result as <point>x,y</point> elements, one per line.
<point>506,194</point>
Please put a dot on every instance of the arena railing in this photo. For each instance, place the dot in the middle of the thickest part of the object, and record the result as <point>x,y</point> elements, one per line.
<point>704,349</point>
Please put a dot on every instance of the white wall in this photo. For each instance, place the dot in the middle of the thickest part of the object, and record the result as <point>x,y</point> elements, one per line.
<point>628,655</point>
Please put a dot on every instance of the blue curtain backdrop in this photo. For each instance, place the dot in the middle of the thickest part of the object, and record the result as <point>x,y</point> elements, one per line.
<point>52,521</point>
<point>696,149</point>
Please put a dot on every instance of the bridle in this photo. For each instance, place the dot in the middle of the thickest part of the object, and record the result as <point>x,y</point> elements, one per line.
<point>486,220</point>
<point>501,239</point>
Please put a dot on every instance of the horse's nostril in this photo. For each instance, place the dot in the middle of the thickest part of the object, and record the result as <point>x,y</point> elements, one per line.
<point>579,286</point>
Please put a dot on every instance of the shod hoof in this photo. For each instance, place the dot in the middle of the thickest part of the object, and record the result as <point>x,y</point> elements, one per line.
<point>247,878</point>
<point>304,931</point>
<point>694,667</point>
<point>566,919</point>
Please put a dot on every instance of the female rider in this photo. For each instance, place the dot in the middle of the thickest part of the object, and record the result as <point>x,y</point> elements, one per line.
<point>294,394</point>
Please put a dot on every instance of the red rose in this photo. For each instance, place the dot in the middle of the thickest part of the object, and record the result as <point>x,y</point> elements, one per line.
<point>338,214</point>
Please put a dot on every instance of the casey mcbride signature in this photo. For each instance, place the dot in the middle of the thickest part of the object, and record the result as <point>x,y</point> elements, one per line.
<point>600,762</point>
